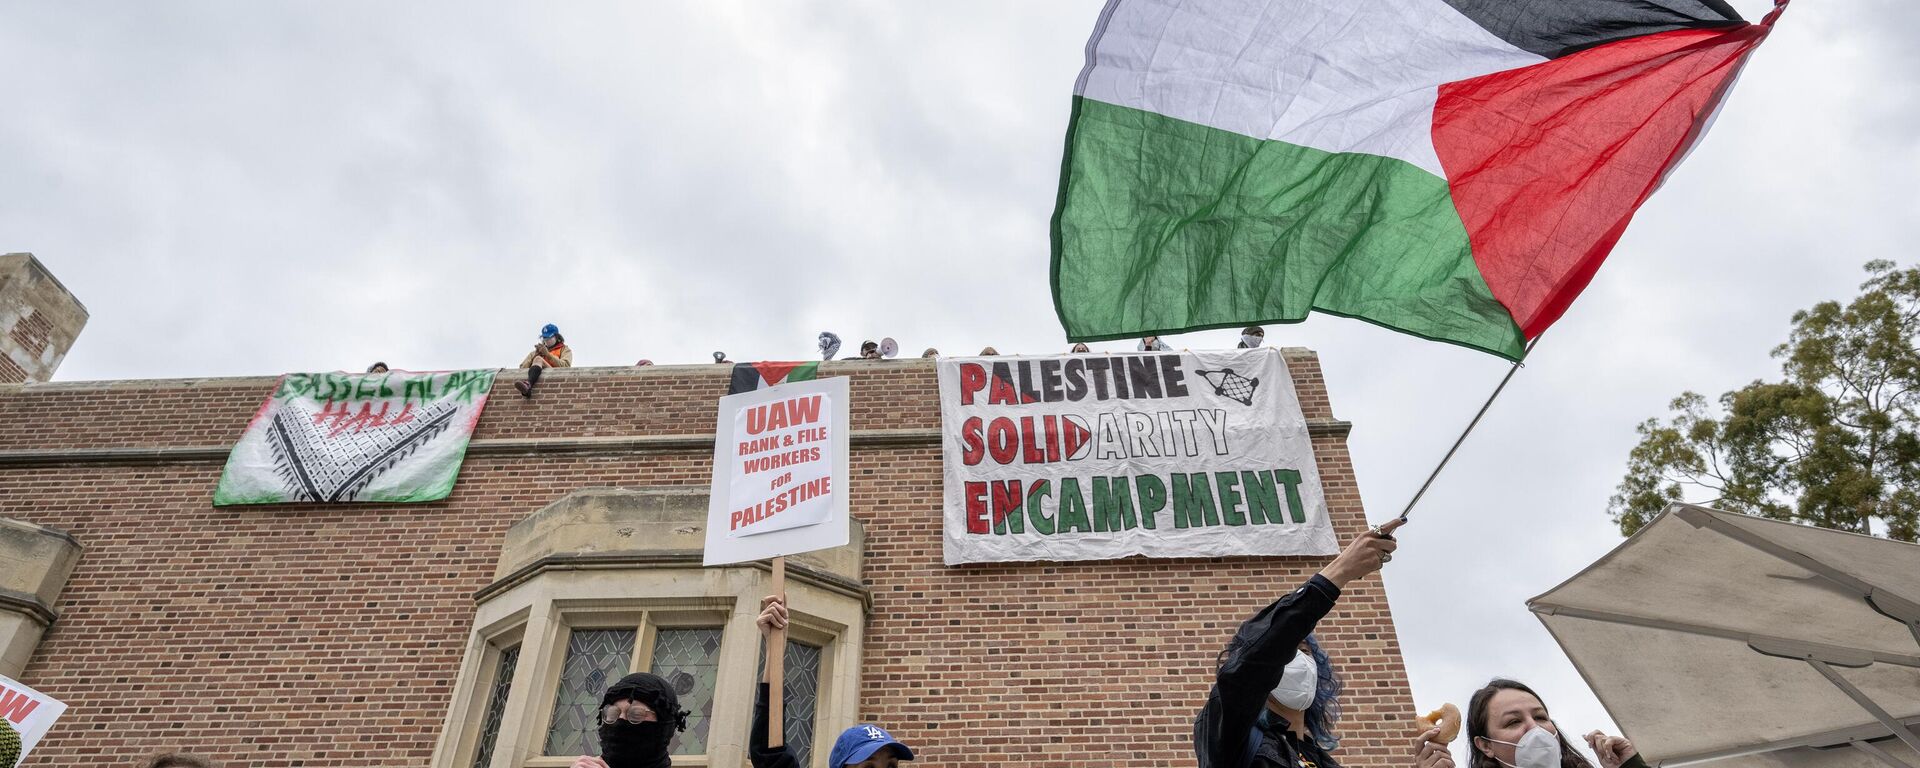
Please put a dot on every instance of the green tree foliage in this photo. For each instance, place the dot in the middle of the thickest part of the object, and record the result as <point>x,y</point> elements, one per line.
<point>1834,443</point>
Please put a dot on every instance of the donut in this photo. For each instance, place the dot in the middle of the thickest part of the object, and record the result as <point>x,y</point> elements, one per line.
<point>1446,718</point>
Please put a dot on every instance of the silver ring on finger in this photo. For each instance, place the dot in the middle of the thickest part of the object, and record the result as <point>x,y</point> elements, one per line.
<point>1386,557</point>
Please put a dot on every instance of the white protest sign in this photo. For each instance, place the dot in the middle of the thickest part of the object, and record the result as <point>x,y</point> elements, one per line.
<point>779,472</point>
<point>25,716</point>
<point>1102,456</point>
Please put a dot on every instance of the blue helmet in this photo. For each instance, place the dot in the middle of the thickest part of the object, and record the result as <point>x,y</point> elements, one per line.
<point>549,331</point>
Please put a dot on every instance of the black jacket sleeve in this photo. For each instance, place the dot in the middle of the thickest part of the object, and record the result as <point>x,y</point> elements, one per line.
<point>757,750</point>
<point>1250,668</point>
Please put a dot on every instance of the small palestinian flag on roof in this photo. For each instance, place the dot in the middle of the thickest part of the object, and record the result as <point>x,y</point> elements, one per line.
<point>1454,169</point>
<point>748,377</point>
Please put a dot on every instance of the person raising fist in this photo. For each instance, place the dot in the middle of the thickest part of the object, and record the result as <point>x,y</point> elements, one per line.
<point>1276,696</point>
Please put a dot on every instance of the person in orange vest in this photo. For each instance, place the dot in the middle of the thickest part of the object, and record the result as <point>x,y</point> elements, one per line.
<point>551,351</point>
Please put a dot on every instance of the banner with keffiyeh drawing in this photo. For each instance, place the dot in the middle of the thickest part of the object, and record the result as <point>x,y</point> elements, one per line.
<point>337,437</point>
<point>1101,456</point>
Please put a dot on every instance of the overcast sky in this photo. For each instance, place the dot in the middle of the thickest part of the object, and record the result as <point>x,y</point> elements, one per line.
<point>248,188</point>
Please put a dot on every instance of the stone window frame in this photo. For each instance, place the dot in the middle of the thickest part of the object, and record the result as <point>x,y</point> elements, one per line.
<point>494,694</point>
<point>646,617</point>
<point>538,611</point>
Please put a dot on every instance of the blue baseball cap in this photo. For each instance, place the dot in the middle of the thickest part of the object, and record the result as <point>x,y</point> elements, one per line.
<point>858,743</point>
<point>549,331</point>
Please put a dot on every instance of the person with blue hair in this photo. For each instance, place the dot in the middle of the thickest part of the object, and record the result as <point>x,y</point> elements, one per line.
<point>1276,697</point>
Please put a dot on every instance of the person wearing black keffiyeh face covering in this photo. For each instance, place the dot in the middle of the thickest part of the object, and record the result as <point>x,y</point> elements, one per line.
<point>638,717</point>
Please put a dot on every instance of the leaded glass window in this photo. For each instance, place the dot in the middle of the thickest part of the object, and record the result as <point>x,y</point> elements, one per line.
<point>690,660</point>
<point>801,682</point>
<point>496,707</point>
<point>802,690</point>
<point>596,658</point>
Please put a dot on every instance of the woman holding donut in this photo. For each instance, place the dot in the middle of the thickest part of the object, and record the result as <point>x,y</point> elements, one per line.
<point>1276,697</point>
<point>1508,727</point>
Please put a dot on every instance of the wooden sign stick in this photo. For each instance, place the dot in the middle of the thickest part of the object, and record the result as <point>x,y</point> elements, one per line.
<point>776,664</point>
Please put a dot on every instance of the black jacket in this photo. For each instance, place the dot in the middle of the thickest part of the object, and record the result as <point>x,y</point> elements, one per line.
<point>757,749</point>
<point>1230,731</point>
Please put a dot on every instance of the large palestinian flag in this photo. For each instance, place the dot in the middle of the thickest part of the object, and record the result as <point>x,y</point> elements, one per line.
<point>1454,169</point>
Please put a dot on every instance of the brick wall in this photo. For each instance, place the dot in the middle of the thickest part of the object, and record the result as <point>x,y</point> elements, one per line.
<point>329,636</point>
<point>33,332</point>
<point>10,371</point>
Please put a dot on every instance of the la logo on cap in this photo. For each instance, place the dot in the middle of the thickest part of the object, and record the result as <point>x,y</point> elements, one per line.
<point>875,733</point>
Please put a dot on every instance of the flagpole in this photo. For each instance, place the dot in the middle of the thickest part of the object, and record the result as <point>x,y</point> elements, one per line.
<point>1469,430</point>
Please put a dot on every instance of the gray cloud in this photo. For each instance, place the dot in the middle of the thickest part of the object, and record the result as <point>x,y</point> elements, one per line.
<point>250,190</point>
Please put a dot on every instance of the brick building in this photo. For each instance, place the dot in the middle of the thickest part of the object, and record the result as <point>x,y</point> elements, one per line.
<point>464,631</point>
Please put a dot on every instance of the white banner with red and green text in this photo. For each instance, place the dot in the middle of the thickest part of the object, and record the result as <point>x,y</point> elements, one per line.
<point>1101,456</point>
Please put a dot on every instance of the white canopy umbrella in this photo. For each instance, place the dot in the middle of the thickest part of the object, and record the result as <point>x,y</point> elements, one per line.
<point>1735,641</point>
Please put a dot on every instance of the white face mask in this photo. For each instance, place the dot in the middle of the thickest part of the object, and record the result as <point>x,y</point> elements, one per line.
<point>1537,748</point>
<point>1298,683</point>
<point>1251,340</point>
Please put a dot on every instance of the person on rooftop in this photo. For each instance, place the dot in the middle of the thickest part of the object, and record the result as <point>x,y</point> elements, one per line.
<point>870,350</point>
<point>1252,336</point>
<point>1078,348</point>
<point>1154,344</point>
<point>551,351</point>
<point>377,368</point>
